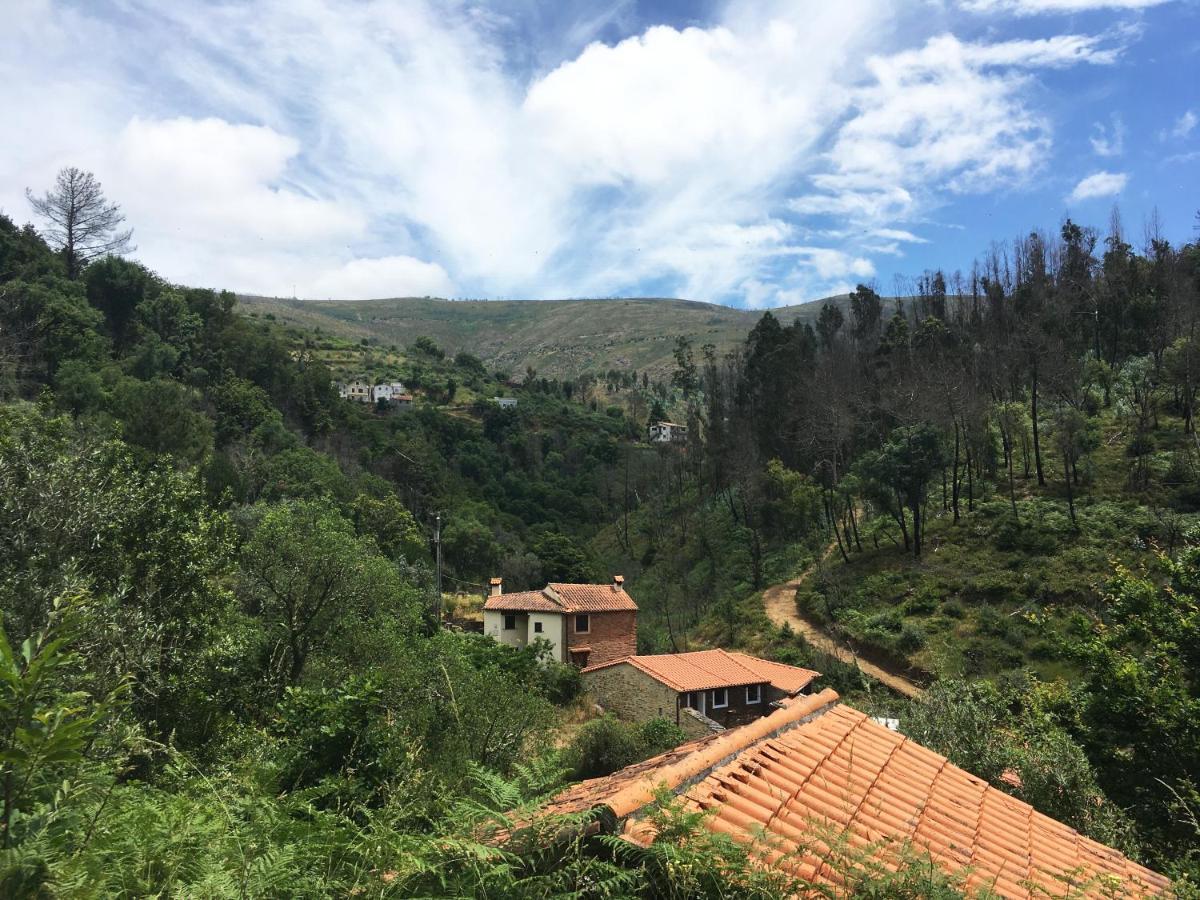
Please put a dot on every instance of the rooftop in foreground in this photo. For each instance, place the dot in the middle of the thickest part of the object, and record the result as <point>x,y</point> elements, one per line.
<point>784,781</point>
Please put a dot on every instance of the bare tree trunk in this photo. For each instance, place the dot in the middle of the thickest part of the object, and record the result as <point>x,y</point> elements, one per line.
<point>1037,446</point>
<point>955,486</point>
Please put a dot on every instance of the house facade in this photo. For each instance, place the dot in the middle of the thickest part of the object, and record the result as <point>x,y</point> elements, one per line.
<point>387,391</point>
<point>585,624</point>
<point>668,433</point>
<point>722,687</point>
<point>359,390</point>
<point>505,402</point>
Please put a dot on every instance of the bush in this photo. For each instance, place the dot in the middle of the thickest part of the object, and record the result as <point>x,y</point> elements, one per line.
<point>660,735</point>
<point>911,638</point>
<point>602,746</point>
<point>560,683</point>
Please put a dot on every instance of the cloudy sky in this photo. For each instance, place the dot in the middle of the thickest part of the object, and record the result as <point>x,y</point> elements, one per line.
<point>750,153</point>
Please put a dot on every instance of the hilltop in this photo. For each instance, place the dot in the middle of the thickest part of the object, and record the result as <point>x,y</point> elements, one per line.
<point>558,338</point>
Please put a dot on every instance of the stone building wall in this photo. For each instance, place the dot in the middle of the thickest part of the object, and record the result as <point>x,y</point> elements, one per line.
<point>631,694</point>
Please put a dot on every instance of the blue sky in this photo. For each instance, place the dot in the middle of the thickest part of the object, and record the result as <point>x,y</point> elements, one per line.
<point>749,153</point>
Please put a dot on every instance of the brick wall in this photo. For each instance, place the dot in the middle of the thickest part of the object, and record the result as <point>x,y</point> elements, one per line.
<point>611,636</point>
<point>631,694</point>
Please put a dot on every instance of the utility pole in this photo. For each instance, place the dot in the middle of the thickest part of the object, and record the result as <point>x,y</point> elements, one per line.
<point>437,541</point>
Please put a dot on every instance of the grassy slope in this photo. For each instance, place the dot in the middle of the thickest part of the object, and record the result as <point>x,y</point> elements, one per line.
<point>989,597</point>
<point>556,337</point>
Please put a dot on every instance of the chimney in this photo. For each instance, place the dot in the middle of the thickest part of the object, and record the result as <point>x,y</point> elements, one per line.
<point>618,582</point>
<point>495,587</point>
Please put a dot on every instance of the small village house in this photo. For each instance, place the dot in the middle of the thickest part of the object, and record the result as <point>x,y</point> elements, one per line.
<point>585,624</point>
<point>700,691</point>
<point>388,391</point>
<point>505,402</point>
<point>668,433</point>
<point>359,390</point>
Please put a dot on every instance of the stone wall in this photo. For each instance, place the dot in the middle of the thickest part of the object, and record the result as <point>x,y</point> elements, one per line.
<point>611,636</point>
<point>631,694</point>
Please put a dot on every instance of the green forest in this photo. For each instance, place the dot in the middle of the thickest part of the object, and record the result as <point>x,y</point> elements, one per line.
<point>223,671</point>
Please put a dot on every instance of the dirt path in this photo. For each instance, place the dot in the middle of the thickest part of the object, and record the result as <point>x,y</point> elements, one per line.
<point>780,604</point>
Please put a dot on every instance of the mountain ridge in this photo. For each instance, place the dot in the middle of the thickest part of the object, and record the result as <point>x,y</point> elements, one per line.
<point>561,338</point>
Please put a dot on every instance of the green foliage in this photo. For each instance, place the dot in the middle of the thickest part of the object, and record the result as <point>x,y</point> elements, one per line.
<point>312,581</point>
<point>606,744</point>
<point>562,559</point>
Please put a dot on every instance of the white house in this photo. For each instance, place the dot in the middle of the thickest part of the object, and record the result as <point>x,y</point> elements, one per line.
<point>388,391</point>
<point>668,433</point>
<point>585,624</point>
<point>505,402</point>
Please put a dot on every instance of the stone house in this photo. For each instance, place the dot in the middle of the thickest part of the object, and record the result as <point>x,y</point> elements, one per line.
<point>359,390</point>
<point>586,624</point>
<point>725,688</point>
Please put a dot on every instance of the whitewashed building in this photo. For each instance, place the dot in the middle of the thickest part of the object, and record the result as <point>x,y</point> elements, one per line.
<point>387,391</point>
<point>668,433</point>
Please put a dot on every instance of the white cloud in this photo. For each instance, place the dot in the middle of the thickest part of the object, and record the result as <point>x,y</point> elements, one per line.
<point>1108,140</point>
<point>339,149</point>
<point>389,276</point>
<point>1098,184</point>
<point>949,113</point>
<point>1185,124</point>
<point>1040,7</point>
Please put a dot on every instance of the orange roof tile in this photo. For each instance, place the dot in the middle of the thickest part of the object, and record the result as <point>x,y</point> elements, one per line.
<point>703,670</point>
<point>522,601</point>
<point>816,764</point>
<point>788,679</point>
<point>591,597</point>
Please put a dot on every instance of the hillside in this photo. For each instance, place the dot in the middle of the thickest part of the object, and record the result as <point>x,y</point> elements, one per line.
<point>558,338</point>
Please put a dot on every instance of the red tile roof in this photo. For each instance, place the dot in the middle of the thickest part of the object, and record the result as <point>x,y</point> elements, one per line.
<point>780,782</point>
<point>522,601</point>
<point>704,670</point>
<point>586,598</point>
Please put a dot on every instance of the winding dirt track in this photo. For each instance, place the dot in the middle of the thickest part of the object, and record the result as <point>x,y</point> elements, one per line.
<point>780,604</point>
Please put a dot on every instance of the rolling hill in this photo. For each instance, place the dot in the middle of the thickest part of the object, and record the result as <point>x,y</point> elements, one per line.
<point>555,337</point>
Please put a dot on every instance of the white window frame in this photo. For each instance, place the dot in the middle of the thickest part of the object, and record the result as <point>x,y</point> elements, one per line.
<point>509,617</point>
<point>757,689</point>
<point>588,621</point>
<point>720,692</point>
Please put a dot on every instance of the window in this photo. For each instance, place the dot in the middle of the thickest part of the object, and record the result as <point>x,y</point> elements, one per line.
<point>720,698</point>
<point>510,621</point>
<point>754,693</point>
<point>537,627</point>
<point>582,624</point>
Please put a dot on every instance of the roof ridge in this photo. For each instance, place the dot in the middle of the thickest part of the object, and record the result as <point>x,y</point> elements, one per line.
<point>678,775</point>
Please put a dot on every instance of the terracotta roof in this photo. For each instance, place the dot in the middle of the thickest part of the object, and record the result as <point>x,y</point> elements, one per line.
<point>592,597</point>
<point>816,764</point>
<point>788,679</point>
<point>702,670</point>
<point>522,601</point>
